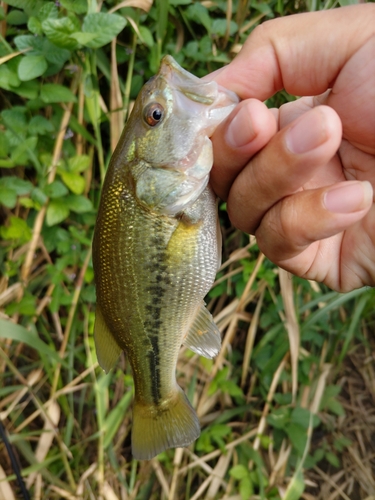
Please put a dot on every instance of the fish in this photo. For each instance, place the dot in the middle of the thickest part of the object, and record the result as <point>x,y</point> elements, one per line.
<point>157,248</point>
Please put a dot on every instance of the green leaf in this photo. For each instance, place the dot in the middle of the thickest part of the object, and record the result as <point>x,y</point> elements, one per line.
<point>28,90</point>
<point>9,330</point>
<point>55,190</point>
<point>34,25</point>
<point>335,407</point>
<point>27,5</point>
<point>239,472</point>
<point>4,146</point>
<point>20,186</point>
<point>79,204</point>
<point>295,487</point>
<point>198,13</point>
<point>54,54</point>
<point>330,402</point>
<point>318,455</point>
<point>341,443</point>
<point>42,46</point>
<point>38,197</point>
<point>80,129</point>
<point>219,27</point>
<point>31,67</point>
<point>75,182</point>
<point>298,437</point>
<point>26,306</point>
<point>57,211</point>
<point>59,31</point>
<point>8,197</point>
<point>302,416</point>
<point>77,6</point>
<point>79,163</point>
<point>246,488</point>
<point>344,3</point>
<point>40,125</point>
<point>16,17</point>
<point>15,119</point>
<point>84,38</point>
<point>8,78</point>
<point>230,387</point>
<point>180,2</point>
<point>146,36</point>
<point>263,8</point>
<point>219,430</point>
<point>48,11</point>
<point>279,418</point>
<point>31,43</point>
<point>53,92</point>
<point>105,26</point>
<point>23,153</point>
<point>162,12</point>
<point>333,459</point>
<point>16,230</point>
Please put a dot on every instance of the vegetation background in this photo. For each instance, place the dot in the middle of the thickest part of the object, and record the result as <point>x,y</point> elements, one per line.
<point>288,407</point>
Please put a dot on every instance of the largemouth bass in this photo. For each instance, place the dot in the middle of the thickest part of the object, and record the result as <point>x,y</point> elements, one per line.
<point>156,250</point>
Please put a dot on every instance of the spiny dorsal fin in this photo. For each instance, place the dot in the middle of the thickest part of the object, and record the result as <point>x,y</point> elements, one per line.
<point>107,349</point>
<point>203,336</point>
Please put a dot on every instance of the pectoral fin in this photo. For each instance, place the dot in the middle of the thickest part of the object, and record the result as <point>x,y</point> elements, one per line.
<point>107,349</point>
<point>203,336</point>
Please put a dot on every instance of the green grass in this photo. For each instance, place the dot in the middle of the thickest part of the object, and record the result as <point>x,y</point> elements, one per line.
<point>277,407</point>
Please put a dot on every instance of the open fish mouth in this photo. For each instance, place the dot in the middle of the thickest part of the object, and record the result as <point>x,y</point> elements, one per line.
<point>208,93</point>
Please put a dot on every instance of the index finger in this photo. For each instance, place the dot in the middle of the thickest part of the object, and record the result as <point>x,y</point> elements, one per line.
<point>302,54</point>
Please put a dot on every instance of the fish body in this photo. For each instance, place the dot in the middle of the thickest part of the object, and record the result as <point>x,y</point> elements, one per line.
<point>156,250</point>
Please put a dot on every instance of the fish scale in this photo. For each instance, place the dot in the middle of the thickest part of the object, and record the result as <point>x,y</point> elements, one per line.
<point>157,248</point>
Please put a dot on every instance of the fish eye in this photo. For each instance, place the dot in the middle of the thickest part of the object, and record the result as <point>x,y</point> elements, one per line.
<point>153,114</point>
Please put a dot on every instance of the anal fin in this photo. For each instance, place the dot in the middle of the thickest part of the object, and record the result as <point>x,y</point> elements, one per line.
<point>203,336</point>
<point>107,349</point>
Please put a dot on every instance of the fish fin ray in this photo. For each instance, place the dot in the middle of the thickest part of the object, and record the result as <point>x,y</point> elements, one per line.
<point>203,336</point>
<point>107,349</point>
<point>154,429</point>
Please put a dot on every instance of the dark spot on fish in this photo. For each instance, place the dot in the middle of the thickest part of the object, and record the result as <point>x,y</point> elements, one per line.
<point>155,290</point>
<point>149,308</point>
<point>153,360</point>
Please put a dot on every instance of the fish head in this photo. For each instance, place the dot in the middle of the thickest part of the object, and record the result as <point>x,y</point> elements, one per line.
<point>169,150</point>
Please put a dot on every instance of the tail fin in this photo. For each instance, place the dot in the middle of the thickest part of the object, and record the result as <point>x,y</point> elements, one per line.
<point>169,425</point>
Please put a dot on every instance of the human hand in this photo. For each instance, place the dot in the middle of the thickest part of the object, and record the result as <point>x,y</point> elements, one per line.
<point>308,194</point>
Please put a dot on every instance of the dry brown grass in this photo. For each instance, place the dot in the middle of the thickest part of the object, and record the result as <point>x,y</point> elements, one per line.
<point>356,479</point>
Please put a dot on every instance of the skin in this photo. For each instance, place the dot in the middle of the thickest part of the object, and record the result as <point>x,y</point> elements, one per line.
<point>301,178</point>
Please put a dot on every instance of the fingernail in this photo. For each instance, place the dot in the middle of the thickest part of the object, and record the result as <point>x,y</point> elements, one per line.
<point>351,196</point>
<point>307,133</point>
<point>240,131</point>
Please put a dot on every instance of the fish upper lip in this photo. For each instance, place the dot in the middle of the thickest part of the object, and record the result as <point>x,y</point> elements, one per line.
<point>194,88</point>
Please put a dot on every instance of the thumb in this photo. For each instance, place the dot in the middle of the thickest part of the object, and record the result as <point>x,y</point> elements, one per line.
<point>303,53</point>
